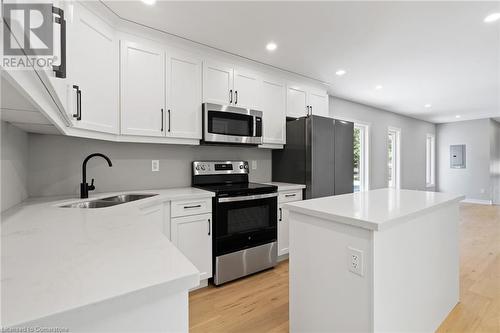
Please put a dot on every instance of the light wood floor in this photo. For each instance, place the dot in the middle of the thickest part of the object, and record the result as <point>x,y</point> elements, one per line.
<point>259,303</point>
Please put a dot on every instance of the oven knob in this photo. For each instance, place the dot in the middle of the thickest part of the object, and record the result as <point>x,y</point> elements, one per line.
<point>197,167</point>
<point>203,167</point>
<point>241,166</point>
<point>246,166</point>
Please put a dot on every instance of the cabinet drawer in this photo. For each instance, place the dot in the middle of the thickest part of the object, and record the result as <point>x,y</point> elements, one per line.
<point>288,196</point>
<point>191,207</point>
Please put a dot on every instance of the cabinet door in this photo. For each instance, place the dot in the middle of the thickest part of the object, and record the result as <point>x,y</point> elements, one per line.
<point>193,237</point>
<point>318,101</point>
<point>283,231</point>
<point>142,89</point>
<point>183,118</point>
<point>94,54</point>
<point>296,104</point>
<point>217,83</point>
<point>246,89</point>
<point>273,104</point>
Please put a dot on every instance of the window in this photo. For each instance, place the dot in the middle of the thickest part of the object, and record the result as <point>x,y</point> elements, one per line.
<point>360,181</point>
<point>430,160</point>
<point>393,157</point>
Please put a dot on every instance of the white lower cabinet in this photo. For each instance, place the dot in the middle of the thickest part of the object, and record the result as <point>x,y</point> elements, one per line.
<point>283,222</point>
<point>192,235</point>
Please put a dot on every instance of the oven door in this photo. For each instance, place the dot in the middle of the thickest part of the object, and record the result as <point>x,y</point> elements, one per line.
<point>244,222</point>
<point>228,124</point>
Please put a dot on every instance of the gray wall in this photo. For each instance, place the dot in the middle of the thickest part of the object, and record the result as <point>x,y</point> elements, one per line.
<point>14,151</point>
<point>55,164</point>
<point>413,141</point>
<point>474,181</point>
<point>495,161</point>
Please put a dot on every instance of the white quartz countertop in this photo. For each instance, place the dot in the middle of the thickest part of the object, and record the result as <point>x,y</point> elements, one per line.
<point>377,209</point>
<point>286,186</point>
<point>57,259</point>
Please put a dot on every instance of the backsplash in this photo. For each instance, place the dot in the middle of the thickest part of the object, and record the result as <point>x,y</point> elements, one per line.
<point>55,164</point>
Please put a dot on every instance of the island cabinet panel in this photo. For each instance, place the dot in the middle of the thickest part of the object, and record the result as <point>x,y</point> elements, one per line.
<point>93,72</point>
<point>142,89</point>
<point>192,235</point>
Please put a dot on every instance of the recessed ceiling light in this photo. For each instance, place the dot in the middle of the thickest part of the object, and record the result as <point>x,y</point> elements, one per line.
<point>492,18</point>
<point>378,87</point>
<point>340,72</point>
<point>458,116</point>
<point>427,106</point>
<point>149,2</point>
<point>271,46</point>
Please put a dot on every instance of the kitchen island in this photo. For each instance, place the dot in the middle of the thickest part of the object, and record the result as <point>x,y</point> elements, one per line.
<point>375,261</point>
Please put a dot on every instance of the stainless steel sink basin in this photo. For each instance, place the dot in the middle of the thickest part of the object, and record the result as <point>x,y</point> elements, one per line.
<point>109,201</point>
<point>122,198</point>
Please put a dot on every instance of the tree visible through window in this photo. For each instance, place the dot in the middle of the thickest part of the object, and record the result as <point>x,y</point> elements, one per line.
<point>357,159</point>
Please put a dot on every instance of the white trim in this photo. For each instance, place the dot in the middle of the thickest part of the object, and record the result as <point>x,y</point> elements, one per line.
<point>477,201</point>
<point>365,158</point>
<point>430,160</point>
<point>397,155</point>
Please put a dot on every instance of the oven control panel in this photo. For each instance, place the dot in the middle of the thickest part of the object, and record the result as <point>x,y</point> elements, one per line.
<point>220,167</point>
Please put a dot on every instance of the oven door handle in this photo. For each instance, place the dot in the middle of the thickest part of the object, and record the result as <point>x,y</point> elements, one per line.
<point>248,197</point>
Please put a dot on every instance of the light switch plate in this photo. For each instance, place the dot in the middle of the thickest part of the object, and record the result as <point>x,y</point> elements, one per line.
<point>155,165</point>
<point>355,261</point>
<point>254,164</point>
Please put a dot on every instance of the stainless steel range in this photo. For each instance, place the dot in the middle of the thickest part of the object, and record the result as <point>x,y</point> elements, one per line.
<point>245,219</point>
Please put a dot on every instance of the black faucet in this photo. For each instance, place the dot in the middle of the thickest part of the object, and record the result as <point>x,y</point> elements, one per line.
<point>84,187</point>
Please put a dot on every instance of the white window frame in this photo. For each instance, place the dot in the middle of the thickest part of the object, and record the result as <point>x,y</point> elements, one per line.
<point>396,167</point>
<point>364,155</point>
<point>430,160</point>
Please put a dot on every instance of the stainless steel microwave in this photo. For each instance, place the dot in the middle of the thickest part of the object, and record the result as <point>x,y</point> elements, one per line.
<point>230,124</point>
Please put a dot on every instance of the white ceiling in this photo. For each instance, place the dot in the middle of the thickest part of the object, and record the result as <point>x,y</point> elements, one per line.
<point>440,53</point>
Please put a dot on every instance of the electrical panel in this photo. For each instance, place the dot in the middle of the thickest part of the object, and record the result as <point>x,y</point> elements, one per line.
<point>457,156</point>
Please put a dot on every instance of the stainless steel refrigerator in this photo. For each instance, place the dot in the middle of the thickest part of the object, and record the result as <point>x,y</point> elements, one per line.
<point>318,153</point>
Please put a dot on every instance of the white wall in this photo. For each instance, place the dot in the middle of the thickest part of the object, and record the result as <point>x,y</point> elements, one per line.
<point>14,151</point>
<point>413,141</point>
<point>495,161</point>
<point>55,164</point>
<point>474,181</point>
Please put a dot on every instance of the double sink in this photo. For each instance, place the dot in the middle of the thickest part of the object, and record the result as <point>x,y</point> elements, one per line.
<point>109,201</point>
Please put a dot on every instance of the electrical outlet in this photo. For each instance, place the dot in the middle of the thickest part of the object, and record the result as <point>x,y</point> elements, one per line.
<point>355,261</point>
<point>254,165</point>
<point>155,165</point>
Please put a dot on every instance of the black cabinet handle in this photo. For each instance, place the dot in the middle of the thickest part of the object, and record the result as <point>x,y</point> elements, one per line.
<point>236,97</point>
<point>230,96</point>
<point>195,206</point>
<point>60,70</point>
<point>169,120</point>
<point>281,214</point>
<point>78,114</point>
<point>311,109</point>
<point>290,195</point>
<point>307,106</point>
<point>161,120</point>
<point>209,227</point>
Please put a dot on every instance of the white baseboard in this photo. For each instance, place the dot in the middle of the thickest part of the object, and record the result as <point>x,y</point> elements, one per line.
<point>478,202</point>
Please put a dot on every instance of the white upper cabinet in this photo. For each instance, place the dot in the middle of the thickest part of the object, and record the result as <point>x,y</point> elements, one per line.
<point>296,102</point>
<point>246,89</point>
<point>93,53</point>
<point>318,103</point>
<point>273,106</point>
<point>302,101</point>
<point>223,84</point>
<point>183,76</point>
<point>217,83</point>
<point>142,89</point>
